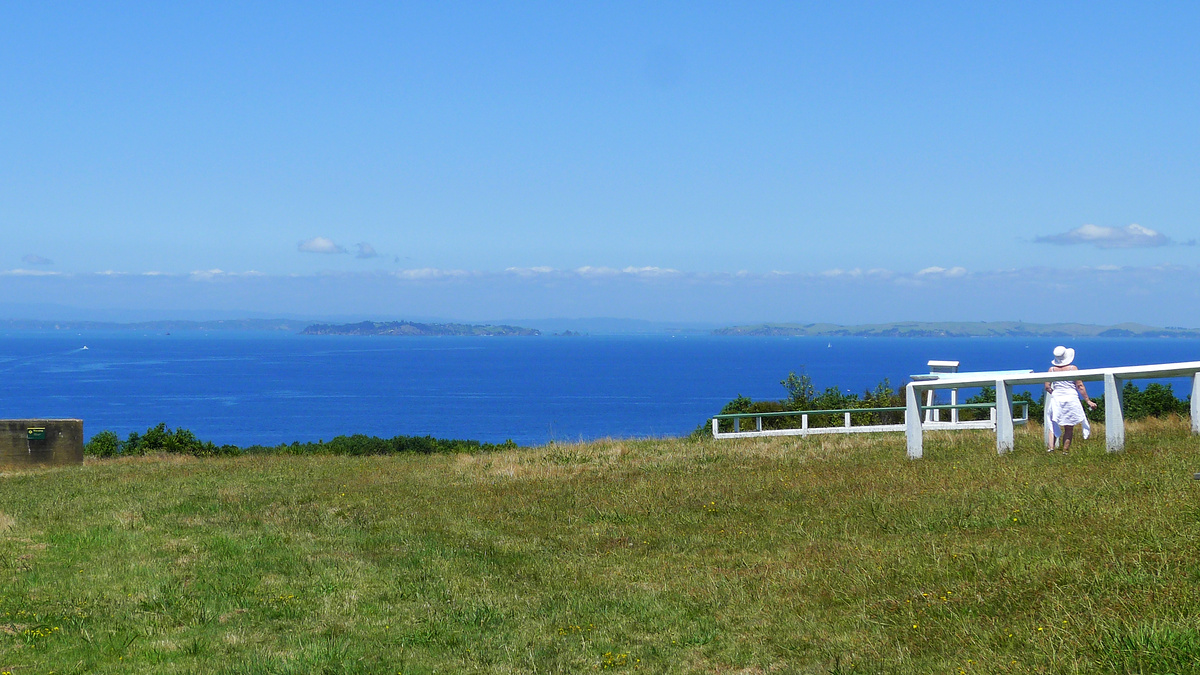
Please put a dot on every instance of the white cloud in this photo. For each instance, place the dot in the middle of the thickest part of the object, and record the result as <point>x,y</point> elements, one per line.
<point>209,275</point>
<point>593,272</point>
<point>589,271</point>
<point>838,272</point>
<point>650,271</point>
<point>365,250</point>
<point>430,273</point>
<point>942,272</point>
<point>530,271</point>
<point>35,259</point>
<point>319,245</point>
<point>1131,236</point>
<point>30,273</point>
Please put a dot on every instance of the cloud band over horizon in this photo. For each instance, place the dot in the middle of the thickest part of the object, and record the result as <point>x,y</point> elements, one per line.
<point>1106,294</point>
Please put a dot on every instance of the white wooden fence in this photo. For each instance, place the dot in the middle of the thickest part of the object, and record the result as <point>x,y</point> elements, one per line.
<point>847,415</point>
<point>1114,381</point>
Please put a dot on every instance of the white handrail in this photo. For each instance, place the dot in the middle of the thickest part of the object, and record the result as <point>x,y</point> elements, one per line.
<point>1113,378</point>
<point>847,427</point>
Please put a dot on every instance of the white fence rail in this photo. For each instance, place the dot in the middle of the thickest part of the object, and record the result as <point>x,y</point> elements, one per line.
<point>847,427</point>
<point>1114,381</point>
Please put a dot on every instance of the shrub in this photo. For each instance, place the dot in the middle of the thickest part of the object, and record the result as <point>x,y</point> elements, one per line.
<point>104,444</point>
<point>162,439</point>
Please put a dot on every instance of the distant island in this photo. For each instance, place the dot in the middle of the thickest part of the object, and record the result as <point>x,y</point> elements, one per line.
<point>962,329</point>
<point>408,328</point>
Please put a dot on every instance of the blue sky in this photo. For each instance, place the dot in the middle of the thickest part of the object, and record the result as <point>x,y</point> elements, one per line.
<point>846,162</point>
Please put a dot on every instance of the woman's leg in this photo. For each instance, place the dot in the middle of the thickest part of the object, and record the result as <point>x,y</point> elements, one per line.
<point>1068,434</point>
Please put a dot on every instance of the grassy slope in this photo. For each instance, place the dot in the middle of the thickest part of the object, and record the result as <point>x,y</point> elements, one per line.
<point>818,555</point>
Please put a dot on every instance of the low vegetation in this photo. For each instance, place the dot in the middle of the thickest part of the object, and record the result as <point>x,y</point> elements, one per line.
<point>162,439</point>
<point>829,554</point>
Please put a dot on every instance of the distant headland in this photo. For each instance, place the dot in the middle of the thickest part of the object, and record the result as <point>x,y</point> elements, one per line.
<point>408,328</point>
<point>961,329</point>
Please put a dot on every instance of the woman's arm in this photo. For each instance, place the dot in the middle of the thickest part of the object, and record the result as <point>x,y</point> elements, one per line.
<point>1083,392</point>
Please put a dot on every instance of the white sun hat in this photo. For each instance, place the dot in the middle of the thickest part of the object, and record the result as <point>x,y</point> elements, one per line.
<point>1063,356</point>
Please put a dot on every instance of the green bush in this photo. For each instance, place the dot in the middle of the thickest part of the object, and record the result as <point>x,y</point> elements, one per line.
<point>104,444</point>
<point>161,439</point>
<point>802,395</point>
<point>1156,400</point>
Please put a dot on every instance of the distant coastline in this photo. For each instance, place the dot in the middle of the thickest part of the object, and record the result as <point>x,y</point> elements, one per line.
<point>408,328</point>
<point>919,329</point>
<point>559,327</point>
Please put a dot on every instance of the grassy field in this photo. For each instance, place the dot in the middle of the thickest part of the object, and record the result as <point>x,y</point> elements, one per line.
<point>823,555</point>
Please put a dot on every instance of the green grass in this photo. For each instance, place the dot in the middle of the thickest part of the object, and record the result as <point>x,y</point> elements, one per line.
<point>824,555</point>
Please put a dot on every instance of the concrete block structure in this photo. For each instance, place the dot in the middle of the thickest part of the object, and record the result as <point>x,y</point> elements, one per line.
<point>30,443</point>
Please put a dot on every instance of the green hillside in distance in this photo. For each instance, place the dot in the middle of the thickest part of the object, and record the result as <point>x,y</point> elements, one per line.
<point>408,328</point>
<point>961,329</point>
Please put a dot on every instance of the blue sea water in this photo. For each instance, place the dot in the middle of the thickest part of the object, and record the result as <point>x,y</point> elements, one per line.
<point>269,388</point>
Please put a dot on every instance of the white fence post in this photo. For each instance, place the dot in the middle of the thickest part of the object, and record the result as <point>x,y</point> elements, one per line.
<point>1047,425</point>
<point>1114,413</point>
<point>1004,419</point>
<point>912,421</point>
<point>1196,403</point>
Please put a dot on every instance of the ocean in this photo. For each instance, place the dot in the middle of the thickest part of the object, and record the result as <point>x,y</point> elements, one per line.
<point>269,388</point>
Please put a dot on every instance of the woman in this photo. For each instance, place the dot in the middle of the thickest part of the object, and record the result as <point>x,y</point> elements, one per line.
<point>1063,400</point>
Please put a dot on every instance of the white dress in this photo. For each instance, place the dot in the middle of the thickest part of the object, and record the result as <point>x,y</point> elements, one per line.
<point>1065,408</point>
